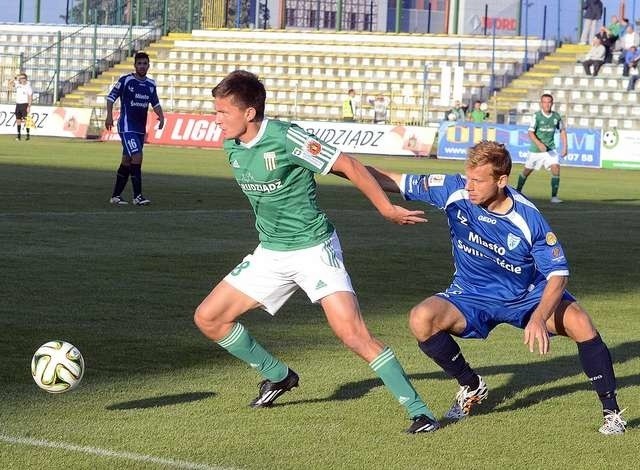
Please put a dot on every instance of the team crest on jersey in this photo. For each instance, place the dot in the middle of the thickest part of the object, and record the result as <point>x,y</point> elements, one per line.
<point>512,241</point>
<point>556,253</point>
<point>313,147</point>
<point>269,160</point>
<point>435,180</point>
<point>551,239</point>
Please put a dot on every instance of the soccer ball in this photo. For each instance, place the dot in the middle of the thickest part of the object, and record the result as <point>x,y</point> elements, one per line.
<point>452,117</point>
<point>484,106</point>
<point>57,366</point>
<point>610,138</point>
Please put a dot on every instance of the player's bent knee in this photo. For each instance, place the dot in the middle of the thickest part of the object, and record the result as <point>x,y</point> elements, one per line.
<point>421,321</point>
<point>205,319</point>
<point>579,325</point>
<point>575,323</point>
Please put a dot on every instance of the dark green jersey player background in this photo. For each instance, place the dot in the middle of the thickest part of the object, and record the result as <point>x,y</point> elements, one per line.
<point>275,164</point>
<point>543,152</point>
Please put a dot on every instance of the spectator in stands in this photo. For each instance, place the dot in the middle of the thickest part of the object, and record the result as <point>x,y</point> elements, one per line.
<point>631,57</point>
<point>627,41</point>
<point>23,98</point>
<point>479,112</point>
<point>592,12</point>
<point>350,107</point>
<point>634,75</point>
<point>380,109</point>
<point>136,92</point>
<point>456,113</point>
<point>609,35</point>
<point>299,247</point>
<point>594,58</point>
<point>542,151</point>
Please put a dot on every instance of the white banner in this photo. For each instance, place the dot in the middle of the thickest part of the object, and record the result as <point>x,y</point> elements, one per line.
<point>620,149</point>
<point>375,139</point>
<point>49,121</point>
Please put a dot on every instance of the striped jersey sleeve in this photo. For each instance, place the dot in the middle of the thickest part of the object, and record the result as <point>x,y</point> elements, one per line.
<point>310,152</point>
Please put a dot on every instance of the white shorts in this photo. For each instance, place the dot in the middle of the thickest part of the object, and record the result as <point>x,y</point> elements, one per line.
<point>271,277</point>
<point>535,160</point>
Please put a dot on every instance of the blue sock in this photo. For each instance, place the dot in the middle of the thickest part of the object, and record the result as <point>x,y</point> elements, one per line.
<point>136,179</point>
<point>122,176</point>
<point>596,363</point>
<point>445,352</point>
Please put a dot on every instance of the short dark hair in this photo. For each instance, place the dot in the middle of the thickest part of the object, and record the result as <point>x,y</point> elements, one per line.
<point>245,89</point>
<point>140,55</point>
<point>547,95</point>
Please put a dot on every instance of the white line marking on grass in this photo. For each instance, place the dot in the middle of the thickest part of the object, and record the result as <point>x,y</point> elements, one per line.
<point>109,453</point>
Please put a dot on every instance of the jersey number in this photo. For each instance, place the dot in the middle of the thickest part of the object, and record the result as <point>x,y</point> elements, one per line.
<point>240,267</point>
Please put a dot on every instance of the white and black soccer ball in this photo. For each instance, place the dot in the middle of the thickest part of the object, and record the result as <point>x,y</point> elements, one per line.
<point>452,116</point>
<point>610,138</point>
<point>57,367</point>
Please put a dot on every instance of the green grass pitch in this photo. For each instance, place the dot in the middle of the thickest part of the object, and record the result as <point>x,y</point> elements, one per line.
<point>121,283</point>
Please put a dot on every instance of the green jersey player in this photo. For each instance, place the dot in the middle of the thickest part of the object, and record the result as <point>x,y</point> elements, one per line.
<point>275,163</point>
<point>542,151</point>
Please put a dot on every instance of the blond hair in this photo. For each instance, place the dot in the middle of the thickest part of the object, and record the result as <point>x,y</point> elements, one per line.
<point>490,152</point>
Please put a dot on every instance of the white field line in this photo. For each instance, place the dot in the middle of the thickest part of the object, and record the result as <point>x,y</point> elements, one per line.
<point>172,463</point>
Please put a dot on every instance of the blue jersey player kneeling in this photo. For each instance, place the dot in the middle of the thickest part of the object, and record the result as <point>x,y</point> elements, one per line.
<point>136,92</point>
<point>509,268</point>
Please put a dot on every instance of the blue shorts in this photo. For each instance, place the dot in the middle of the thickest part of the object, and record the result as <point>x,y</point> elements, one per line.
<point>132,143</point>
<point>483,314</point>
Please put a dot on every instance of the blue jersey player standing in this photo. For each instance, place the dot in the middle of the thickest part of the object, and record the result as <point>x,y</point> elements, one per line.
<point>136,92</point>
<point>509,268</point>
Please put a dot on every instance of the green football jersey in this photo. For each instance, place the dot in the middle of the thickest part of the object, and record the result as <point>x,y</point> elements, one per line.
<point>276,171</point>
<point>545,126</point>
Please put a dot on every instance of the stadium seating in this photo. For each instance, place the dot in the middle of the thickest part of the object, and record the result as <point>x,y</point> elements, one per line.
<point>33,48</point>
<point>584,101</point>
<point>307,75</point>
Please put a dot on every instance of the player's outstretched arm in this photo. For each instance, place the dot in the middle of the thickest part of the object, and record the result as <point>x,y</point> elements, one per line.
<point>388,180</point>
<point>536,329</point>
<point>351,169</point>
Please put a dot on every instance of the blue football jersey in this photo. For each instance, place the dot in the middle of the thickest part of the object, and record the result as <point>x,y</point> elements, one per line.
<point>135,97</point>
<point>497,256</point>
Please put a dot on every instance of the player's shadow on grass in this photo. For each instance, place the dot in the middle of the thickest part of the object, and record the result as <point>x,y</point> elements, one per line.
<point>522,377</point>
<point>156,402</point>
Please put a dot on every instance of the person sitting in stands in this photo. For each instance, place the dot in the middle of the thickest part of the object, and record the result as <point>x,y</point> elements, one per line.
<point>594,58</point>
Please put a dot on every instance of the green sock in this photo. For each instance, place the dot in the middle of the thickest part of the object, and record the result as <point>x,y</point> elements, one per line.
<point>555,184</point>
<point>392,374</point>
<point>241,344</point>
<point>521,180</point>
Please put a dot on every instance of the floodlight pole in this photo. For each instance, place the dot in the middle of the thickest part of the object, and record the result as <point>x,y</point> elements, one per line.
<point>558,33</point>
<point>526,35</point>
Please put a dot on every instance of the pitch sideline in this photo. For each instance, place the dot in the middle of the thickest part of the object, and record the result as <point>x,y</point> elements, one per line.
<point>181,464</point>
